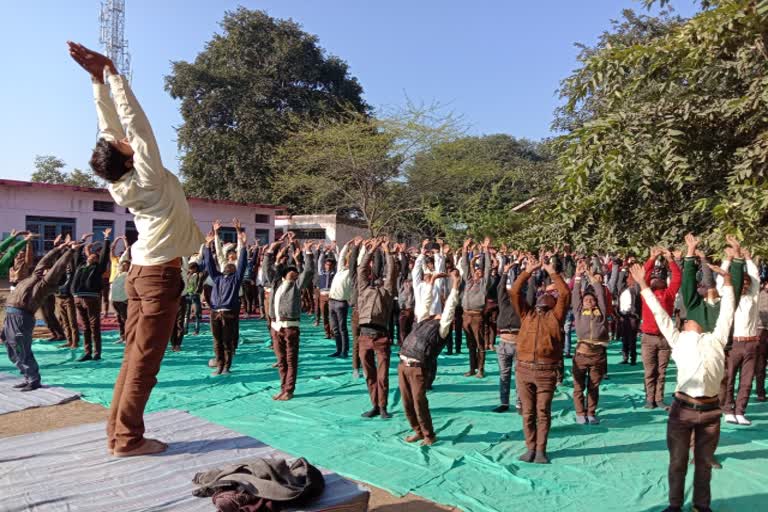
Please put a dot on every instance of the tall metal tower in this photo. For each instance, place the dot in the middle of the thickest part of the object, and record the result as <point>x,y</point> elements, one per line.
<point>112,35</point>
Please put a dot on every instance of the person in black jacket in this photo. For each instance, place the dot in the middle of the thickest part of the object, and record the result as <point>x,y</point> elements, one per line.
<point>65,307</point>
<point>629,312</point>
<point>418,354</point>
<point>508,325</point>
<point>86,288</point>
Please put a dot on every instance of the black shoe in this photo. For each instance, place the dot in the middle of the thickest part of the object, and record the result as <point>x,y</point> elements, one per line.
<point>86,357</point>
<point>527,456</point>
<point>633,363</point>
<point>21,385</point>
<point>372,413</point>
<point>345,355</point>
<point>384,414</point>
<point>31,387</point>
<point>541,458</point>
<point>335,354</point>
<point>501,408</point>
<point>650,405</point>
<point>97,357</point>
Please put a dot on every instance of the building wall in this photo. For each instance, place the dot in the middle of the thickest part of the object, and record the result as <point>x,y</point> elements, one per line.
<point>17,203</point>
<point>334,230</point>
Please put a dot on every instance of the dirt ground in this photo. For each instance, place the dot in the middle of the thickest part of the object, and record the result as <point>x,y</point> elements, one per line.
<point>79,412</point>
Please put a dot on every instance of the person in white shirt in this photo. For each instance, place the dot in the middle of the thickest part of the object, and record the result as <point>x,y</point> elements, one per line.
<point>338,303</point>
<point>128,158</point>
<point>117,294</point>
<point>700,360</point>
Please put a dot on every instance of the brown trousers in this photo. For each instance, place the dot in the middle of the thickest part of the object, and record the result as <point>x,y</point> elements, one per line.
<point>67,314</point>
<point>655,352</point>
<point>741,359</point>
<point>105,295</point>
<point>413,390</point>
<point>48,309</point>
<point>121,309</point>
<point>683,423</point>
<point>375,353</point>
<point>404,325</point>
<point>590,369</point>
<point>490,313</point>
<point>760,363</point>
<point>473,330</point>
<point>323,304</point>
<point>153,302</point>
<point>89,312</point>
<point>224,331</point>
<point>286,346</point>
<point>355,339</point>
<point>536,388</point>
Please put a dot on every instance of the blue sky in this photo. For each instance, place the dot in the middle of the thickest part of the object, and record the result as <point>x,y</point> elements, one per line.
<point>497,63</point>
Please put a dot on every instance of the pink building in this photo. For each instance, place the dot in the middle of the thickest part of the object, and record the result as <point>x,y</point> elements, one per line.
<point>51,210</point>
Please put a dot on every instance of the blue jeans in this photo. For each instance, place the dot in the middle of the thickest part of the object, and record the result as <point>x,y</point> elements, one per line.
<point>339,312</point>
<point>17,334</point>
<point>506,354</point>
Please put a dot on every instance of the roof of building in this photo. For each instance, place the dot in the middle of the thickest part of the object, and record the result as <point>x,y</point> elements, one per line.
<point>76,188</point>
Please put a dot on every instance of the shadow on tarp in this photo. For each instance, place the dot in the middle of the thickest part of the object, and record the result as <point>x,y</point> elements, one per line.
<point>620,464</point>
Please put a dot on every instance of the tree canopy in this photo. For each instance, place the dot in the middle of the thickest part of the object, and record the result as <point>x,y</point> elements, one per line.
<point>244,94</point>
<point>50,169</point>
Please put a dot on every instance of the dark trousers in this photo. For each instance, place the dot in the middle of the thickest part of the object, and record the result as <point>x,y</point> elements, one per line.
<point>286,346</point>
<point>121,310</point>
<point>223,329</point>
<point>153,302</point>
<point>656,354</point>
<point>588,372</point>
<point>405,324</point>
<point>627,328</point>
<point>536,388</point>
<point>207,290</point>
<point>89,312</point>
<point>105,295</point>
<point>249,296</point>
<point>194,301</point>
<point>375,353</point>
<point>473,330</point>
<point>177,334</point>
<point>48,309</point>
<point>760,363</point>
<point>355,339</point>
<point>339,311</point>
<point>323,304</point>
<point>458,328</point>
<point>490,313</point>
<point>17,336</point>
<point>741,359</point>
<point>413,391</point>
<point>683,423</point>
<point>505,353</point>
<point>67,314</point>
<point>308,300</point>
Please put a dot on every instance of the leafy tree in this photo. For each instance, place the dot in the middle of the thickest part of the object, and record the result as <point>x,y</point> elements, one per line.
<point>251,86</point>
<point>670,134</point>
<point>82,179</point>
<point>48,169</point>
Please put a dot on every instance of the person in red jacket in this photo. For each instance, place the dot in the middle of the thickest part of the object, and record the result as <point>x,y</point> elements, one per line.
<point>655,349</point>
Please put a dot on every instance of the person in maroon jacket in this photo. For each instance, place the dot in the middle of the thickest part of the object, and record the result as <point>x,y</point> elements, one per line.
<point>655,350</point>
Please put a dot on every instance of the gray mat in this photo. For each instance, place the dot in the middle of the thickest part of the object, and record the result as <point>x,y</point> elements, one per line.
<point>12,400</point>
<point>69,469</point>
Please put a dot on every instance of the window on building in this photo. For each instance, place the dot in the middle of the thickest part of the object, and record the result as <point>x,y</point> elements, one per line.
<point>262,235</point>
<point>261,218</point>
<point>104,206</point>
<point>130,232</point>
<point>98,228</point>
<point>309,234</point>
<point>48,228</point>
<point>228,235</point>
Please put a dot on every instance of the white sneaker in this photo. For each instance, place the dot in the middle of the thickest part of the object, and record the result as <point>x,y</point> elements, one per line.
<point>356,374</point>
<point>730,418</point>
<point>742,420</point>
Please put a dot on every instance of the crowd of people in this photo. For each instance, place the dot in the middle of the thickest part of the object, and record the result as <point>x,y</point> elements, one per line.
<point>535,311</point>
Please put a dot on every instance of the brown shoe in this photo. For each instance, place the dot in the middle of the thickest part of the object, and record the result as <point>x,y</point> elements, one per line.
<point>285,396</point>
<point>413,438</point>
<point>429,441</point>
<point>148,447</point>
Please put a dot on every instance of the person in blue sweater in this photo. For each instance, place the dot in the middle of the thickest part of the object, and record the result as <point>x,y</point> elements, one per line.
<point>225,301</point>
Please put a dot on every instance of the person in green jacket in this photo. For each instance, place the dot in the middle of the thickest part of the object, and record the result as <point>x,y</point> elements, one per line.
<point>9,249</point>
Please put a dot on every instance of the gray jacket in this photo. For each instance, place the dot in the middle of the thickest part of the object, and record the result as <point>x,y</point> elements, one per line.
<point>290,301</point>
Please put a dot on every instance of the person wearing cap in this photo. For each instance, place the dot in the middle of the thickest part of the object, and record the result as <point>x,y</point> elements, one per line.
<point>473,303</point>
<point>590,361</point>
<point>285,312</point>
<point>375,299</point>
<point>655,350</point>
<point>418,355</point>
<point>700,360</point>
<point>539,356</point>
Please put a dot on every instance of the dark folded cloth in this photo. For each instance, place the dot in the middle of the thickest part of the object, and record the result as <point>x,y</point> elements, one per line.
<point>236,501</point>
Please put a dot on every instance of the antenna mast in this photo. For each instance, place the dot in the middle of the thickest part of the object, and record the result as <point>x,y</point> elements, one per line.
<point>112,35</point>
